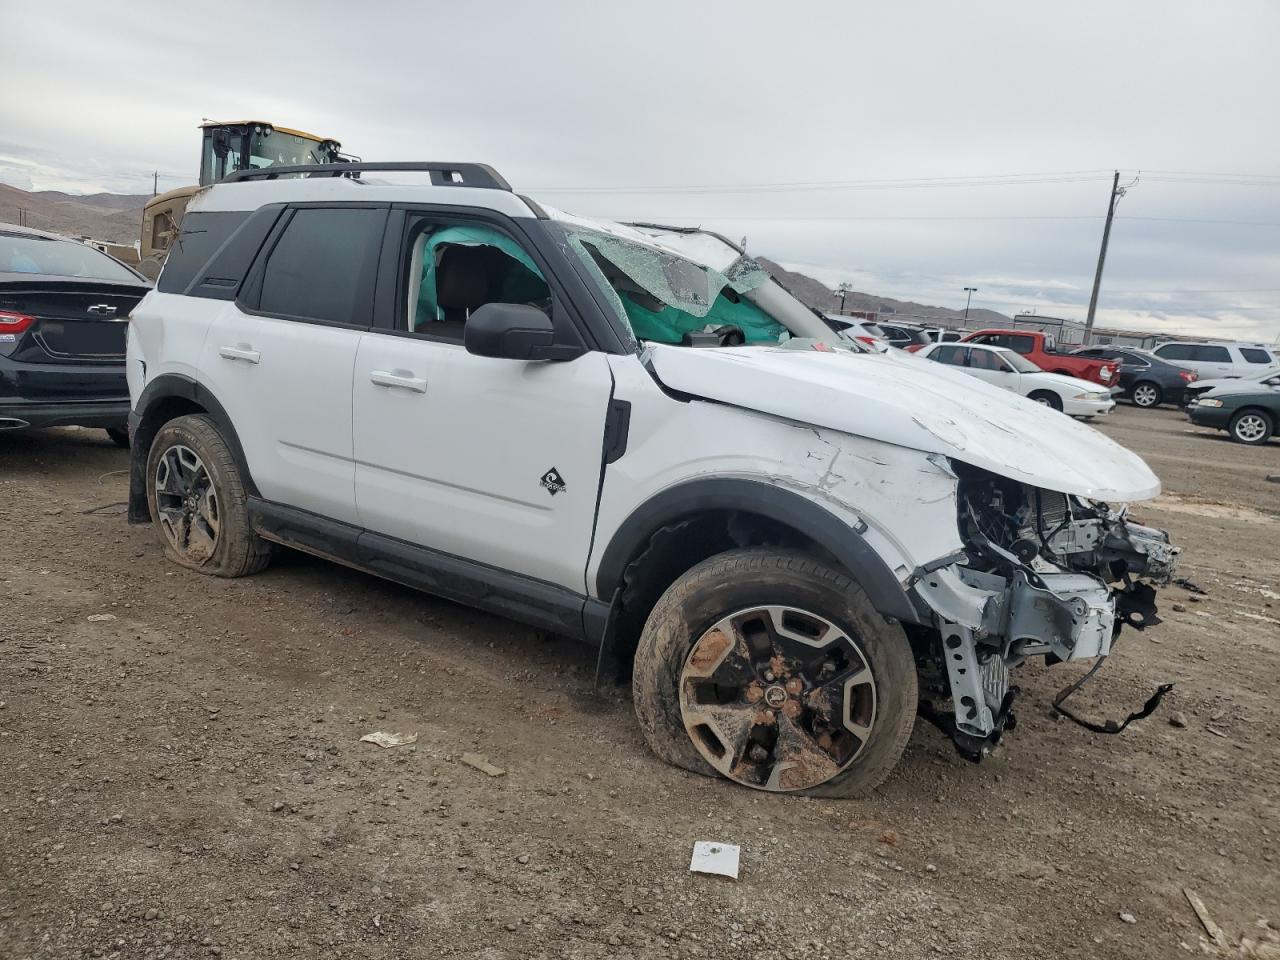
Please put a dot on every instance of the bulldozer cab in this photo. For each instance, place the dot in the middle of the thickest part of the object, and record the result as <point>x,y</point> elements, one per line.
<point>254,144</point>
<point>226,147</point>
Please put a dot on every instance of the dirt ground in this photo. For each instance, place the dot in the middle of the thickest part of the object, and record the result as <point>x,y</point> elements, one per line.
<point>181,772</point>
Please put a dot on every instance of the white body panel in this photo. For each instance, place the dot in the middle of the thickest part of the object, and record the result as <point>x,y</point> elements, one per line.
<point>913,404</point>
<point>853,478</point>
<point>458,467</point>
<point>286,385</point>
<point>166,335</point>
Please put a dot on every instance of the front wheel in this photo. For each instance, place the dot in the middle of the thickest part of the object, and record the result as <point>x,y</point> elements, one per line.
<point>773,670</point>
<point>1047,399</point>
<point>1147,395</point>
<point>197,500</point>
<point>1251,427</point>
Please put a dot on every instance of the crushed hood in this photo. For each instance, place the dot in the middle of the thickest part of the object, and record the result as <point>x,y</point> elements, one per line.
<point>912,403</point>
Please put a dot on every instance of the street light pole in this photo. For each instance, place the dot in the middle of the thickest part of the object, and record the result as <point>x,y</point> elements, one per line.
<point>1117,192</point>
<point>967,300</point>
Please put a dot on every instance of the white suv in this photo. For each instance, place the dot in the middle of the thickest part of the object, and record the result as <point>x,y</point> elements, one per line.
<point>633,436</point>
<point>1218,359</point>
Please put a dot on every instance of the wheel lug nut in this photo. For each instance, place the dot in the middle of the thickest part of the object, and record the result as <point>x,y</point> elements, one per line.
<point>768,675</point>
<point>755,693</point>
<point>795,685</point>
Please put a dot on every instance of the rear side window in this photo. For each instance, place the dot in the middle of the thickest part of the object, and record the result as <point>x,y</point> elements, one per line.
<point>985,360</point>
<point>1211,354</point>
<point>951,355</point>
<point>201,236</point>
<point>1256,355</point>
<point>322,266</point>
<point>1174,351</point>
<point>1016,342</point>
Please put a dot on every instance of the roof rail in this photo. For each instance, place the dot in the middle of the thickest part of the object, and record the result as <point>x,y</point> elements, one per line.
<point>442,174</point>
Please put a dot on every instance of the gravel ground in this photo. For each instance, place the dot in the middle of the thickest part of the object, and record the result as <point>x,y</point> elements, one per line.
<point>183,774</point>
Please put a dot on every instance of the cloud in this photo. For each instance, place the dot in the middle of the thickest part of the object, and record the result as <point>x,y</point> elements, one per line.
<point>576,94</point>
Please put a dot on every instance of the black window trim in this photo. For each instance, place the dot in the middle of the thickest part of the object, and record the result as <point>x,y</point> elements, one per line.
<point>392,294</point>
<point>251,290</point>
<point>1208,347</point>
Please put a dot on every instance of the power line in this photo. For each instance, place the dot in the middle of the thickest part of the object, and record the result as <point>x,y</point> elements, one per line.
<point>1238,223</point>
<point>653,218</point>
<point>1007,179</point>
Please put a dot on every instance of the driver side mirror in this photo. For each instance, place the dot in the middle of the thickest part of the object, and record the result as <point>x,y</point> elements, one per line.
<point>514,331</point>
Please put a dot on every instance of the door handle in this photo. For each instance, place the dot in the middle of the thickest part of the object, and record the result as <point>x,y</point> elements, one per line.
<point>404,379</point>
<point>240,351</point>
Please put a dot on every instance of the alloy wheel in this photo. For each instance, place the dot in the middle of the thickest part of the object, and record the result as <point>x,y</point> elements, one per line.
<point>187,502</point>
<point>1145,395</point>
<point>1251,428</point>
<point>778,698</point>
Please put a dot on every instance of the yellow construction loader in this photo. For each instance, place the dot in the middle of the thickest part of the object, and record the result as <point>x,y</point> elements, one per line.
<point>225,148</point>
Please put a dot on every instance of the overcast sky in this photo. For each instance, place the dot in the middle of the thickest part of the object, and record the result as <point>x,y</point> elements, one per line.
<point>658,110</point>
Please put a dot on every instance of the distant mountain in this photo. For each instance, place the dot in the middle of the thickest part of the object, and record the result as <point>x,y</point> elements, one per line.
<point>102,216</point>
<point>816,294</point>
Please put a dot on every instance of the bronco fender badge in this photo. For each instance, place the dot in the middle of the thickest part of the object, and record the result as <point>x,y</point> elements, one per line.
<point>553,481</point>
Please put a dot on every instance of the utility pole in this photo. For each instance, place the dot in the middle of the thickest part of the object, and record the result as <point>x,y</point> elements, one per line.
<point>1117,192</point>
<point>967,300</point>
<point>155,183</point>
<point>844,290</point>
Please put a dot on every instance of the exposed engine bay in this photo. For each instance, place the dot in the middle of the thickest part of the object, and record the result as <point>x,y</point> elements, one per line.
<point>1042,574</point>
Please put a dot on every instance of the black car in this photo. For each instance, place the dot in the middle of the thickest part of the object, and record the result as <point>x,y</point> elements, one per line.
<point>903,335</point>
<point>1145,379</point>
<point>1249,412</point>
<point>63,312</point>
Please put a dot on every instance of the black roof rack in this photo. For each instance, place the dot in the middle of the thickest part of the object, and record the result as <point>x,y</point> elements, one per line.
<point>442,174</point>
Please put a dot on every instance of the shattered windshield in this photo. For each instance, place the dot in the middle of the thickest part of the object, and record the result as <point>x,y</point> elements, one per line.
<point>668,298</point>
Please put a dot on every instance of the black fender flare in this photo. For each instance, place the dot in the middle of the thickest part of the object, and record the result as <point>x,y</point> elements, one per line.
<point>143,427</point>
<point>804,516</point>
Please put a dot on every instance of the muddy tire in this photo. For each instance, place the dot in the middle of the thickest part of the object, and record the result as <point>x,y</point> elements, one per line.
<point>1046,397</point>
<point>773,669</point>
<point>197,501</point>
<point>1251,426</point>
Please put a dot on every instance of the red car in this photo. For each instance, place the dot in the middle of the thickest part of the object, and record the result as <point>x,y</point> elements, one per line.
<point>1042,350</point>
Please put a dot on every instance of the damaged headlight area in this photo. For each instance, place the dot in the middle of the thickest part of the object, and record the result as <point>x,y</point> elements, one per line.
<point>1042,573</point>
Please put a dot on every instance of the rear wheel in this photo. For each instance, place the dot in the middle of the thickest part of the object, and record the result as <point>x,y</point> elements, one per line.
<point>197,500</point>
<point>119,436</point>
<point>1047,398</point>
<point>773,670</point>
<point>1251,427</point>
<point>1147,395</point>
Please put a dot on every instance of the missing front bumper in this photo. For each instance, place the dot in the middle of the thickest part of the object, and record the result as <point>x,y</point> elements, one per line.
<point>989,623</point>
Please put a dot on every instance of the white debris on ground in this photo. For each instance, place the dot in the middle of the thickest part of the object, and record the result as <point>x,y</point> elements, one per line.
<point>384,739</point>
<point>718,858</point>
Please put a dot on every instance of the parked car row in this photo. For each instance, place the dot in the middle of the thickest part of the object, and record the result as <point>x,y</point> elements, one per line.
<point>1008,369</point>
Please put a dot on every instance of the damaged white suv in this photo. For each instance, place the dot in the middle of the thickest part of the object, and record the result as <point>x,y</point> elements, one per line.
<point>633,436</point>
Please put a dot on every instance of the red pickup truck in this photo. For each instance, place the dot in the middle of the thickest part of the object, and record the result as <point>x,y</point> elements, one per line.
<point>1042,350</point>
